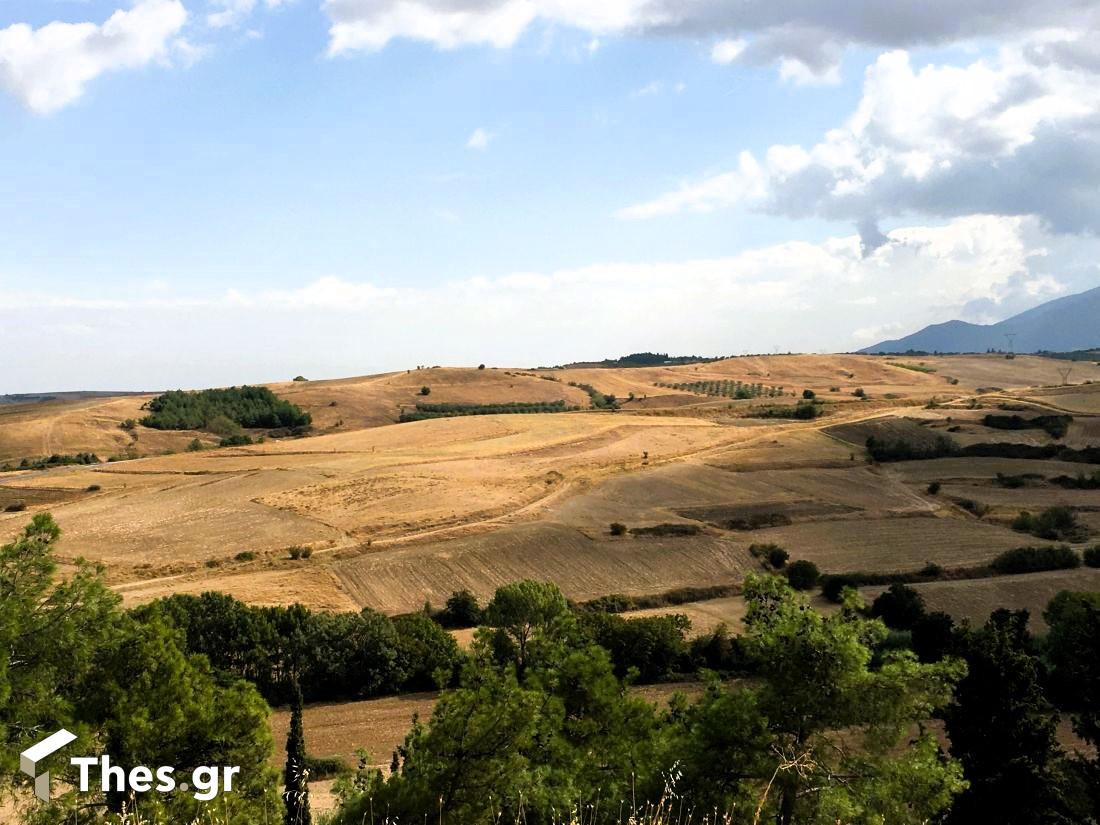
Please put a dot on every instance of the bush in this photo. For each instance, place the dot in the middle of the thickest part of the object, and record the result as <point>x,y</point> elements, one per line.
<point>300,552</point>
<point>1054,523</point>
<point>462,610</point>
<point>92,488</point>
<point>195,446</point>
<point>809,395</point>
<point>425,390</point>
<point>239,440</point>
<point>758,521</point>
<point>931,570</point>
<point>319,768</point>
<point>1055,425</point>
<point>1092,556</point>
<point>934,488</point>
<point>772,554</point>
<point>803,575</point>
<point>16,507</point>
<point>481,366</point>
<point>246,555</point>
<point>833,586</point>
<point>1035,559</point>
<point>617,528</point>
<point>900,607</point>
<point>859,393</point>
<point>300,378</point>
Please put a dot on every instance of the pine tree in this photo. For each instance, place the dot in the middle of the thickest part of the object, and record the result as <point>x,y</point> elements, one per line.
<point>296,794</point>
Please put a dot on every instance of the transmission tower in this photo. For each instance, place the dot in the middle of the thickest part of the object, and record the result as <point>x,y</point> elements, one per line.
<point>1011,336</point>
<point>1065,373</point>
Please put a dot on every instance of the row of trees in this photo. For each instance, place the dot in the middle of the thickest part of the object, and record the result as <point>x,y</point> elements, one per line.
<point>449,410</point>
<point>726,389</point>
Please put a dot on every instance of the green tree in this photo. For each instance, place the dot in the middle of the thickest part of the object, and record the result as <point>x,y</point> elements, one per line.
<point>296,774</point>
<point>518,610</point>
<point>818,681</point>
<point>1003,730</point>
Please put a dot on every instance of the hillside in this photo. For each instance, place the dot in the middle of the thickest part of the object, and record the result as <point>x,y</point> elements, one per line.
<point>1061,325</point>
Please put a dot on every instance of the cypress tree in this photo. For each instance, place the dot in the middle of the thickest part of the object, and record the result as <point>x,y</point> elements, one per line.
<point>296,794</point>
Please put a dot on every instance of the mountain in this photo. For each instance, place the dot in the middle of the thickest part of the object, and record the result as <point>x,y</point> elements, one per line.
<point>1069,323</point>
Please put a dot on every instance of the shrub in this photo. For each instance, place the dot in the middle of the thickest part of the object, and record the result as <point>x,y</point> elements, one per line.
<point>1054,523</point>
<point>809,395</point>
<point>425,390</point>
<point>92,488</point>
<point>859,393</point>
<point>803,574</point>
<point>934,488</point>
<point>777,557</point>
<point>195,446</point>
<point>1034,559</point>
<point>16,507</point>
<point>833,586</point>
<point>1092,556</point>
<point>300,552</point>
<point>239,440</point>
<point>128,424</point>
<point>900,607</point>
<point>617,528</point>
<point>319,768</point>
<point>481,366</point>
<point>931,570</point>
<point>758,521</point>
<point>461,610</point>
<point>212,563</point>
<point>246,555</point>
<point>300,378</point>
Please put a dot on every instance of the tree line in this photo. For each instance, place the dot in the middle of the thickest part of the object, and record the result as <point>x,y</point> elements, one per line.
<point>249,407</point>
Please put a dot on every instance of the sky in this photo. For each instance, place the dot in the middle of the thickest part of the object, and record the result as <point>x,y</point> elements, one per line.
<point>213,192</point>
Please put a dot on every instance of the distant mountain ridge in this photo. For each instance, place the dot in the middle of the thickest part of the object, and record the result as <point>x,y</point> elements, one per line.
<point>1061,325</point>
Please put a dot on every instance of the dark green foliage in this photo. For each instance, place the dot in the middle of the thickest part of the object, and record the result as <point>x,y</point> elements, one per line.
<point>933,636</point>
<point>809,395</point>
<point>425,411</point>
<point>427,655</point>
<point>1053,524</point>
<point>599,400</point>
<point>934,488</point>
<point>834,585</point>
<point>245,555</point>
<point>654,646</point>
<point>92,488</point>
<point>900,607</point>
<point>425,390</point>
<point>1054,425</point>
<point>667,530</point>
<point>325,767</point>
<point>618,603</point>
<point>15,507</point>
<point>803,574</point>
<point>900,450</point>
<point>1078,482</point>
<point>58,460</point>
<point>296,772</point>
<point>1091,556</point>
<point>802,411</point>
<point>251,407</point>
<point>1034,559</point>
<point>300,378</point>
<point>1003,730</point>
<point>617,528</point>
<point>461,610</point>
<point>237,440</point>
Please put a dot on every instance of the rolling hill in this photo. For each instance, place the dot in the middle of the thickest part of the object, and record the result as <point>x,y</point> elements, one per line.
<point>1061,325</point>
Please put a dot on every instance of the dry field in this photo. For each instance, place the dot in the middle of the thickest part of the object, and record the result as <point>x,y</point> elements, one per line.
<point>399,514</point>
<point>975,599</point>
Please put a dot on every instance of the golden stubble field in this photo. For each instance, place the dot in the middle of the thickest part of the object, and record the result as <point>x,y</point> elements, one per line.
<point>399,514</point>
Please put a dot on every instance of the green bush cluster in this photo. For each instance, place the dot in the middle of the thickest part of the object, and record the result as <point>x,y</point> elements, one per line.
<point>1054,425</point>
<point>1035,559</point>
<point>250,407</point>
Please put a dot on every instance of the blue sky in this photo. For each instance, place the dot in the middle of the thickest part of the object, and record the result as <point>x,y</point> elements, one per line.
<point>193,199</point>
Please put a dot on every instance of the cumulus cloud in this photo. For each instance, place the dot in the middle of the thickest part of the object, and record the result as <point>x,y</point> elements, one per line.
<point>234,12</point>
<point>795,295</point>
<point>1010,135</point>
<point>805,39</point>
<point>49,67</point>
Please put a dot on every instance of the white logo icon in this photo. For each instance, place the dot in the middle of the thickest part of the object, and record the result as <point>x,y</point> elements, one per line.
<point>29,759</point>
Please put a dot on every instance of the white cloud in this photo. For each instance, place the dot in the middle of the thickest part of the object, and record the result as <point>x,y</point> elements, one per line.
<point>229,13</point>
<point>50,67</point>
<point>806,39</point>
<point>795,295</point>
<point>479,140</point>
<point>1007,135</point>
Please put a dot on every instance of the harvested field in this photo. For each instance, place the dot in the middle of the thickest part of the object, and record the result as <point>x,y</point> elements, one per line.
<point>976,599</point>
<point>400,579</point>
<point>893,545</point>
<point>886,429</point>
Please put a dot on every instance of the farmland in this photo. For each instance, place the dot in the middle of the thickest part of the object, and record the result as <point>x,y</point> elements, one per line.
<point>396,514</point>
